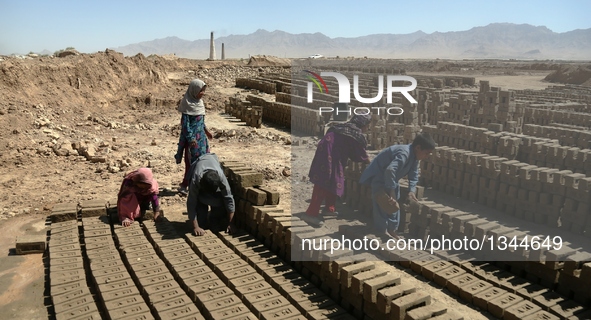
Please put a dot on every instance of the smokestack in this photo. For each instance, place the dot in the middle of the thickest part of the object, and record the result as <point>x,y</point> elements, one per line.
<point>223,52</point>
<point>211,48</point>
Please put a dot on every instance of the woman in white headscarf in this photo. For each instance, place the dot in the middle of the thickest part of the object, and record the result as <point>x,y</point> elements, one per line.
<point>193,139</point>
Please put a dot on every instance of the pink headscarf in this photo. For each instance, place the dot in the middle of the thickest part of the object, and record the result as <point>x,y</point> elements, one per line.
<point>144,175</point>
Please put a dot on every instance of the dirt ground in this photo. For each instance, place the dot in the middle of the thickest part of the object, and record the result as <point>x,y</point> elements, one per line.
<point>125,109</point>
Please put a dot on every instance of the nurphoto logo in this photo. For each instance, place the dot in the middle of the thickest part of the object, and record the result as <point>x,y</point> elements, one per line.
<point>344,93</point>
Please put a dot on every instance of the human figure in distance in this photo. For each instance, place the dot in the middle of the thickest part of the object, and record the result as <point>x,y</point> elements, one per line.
<point>341,142</point>
<point>138,190</point>
<point>383,174</point>
<point>209,188</point>
<point>194,134</point>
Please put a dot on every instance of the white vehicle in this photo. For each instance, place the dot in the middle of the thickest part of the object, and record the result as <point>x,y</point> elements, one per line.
<point>316,56</point>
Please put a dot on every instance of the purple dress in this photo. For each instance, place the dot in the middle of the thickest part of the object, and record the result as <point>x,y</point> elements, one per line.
<point>327,169</point>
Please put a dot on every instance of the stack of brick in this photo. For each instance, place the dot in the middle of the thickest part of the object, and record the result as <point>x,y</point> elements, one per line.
<point>508,147</point>
<point>252,200</point>
<point>275,112</point>
<point>576,214</point>
<point>68,287</point>
<point>434,105</point>
<point>565,269</point>
<point>459,108</point>
<point>257,84</point>
<point>566,137</point>
<point>64,212</point>
<point>544,117</point>
<point>242,109</point>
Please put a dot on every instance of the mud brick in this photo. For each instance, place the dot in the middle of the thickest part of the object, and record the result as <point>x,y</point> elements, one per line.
<point>417,265</point>
<point>158,277</point>
<point>63,247</point>
<point>281,312</point>
<point>566,309</point>
<point>87,311</point>
<point>135,311</point>
<point>218,261</point>
<point>30,244</point>
<point>482,298</point>
<point>93,211</point>
<point>399,306</point>
<point>458,222</point>
<point>521,310</point>
<point>57,261</point>
<point>555,258</point>
<point>134,256</point>
<point>256,196</point>
<point>253,287</point>
<point>67,267</point>
<point>68,287</point>
<point>385,296</point>
<point>547,300</point>
<point>372,286</point>
<point>244,281</point>
<point>358,280</point>
<point>575,262</point>
<point>167,249</point>
<point>426,312</point>
<point>349,271</point>
<point>249,179</point>
<point>215,294</point>
<point>119,294</point>
<point>97,233</point>
<point>117,285</point>
<point>67,212</point>
<point>454,284</point>
<point>484,229</point>
<point>69,295</point>
<point>470,226</point>
<point>225,251</point>
<point>443,276</point>
<point>447,217</point>
<point>468,290</point>
<point>221,303</point>
<point>124,301</point>
<point>260,295</point>
<point>272,196</point>
<point>407,256</point>
<point>74,304</point>
<point>160,287</point>
<point>428,271</point>
<point>273,303</point>
<point>178,309</point>
<point>541,315</point>
<point>498,305</point>
<point>105,278</point>
<point>232,311</point>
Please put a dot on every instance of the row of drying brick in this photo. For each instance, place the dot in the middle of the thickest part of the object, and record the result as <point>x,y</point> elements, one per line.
<point>447,221</point>
<point>243,110</point>
<point>537,194</point>
<point>220,286</point>
<point>276,230</point>
<point>72,211</point>
<point>534,149</point>
<point>155,282</point>
<point>369,288</point>
<point>257,84</point>
<point>565,136</point>
<point>546,116</point>
<point>69,291</point>
<point>483,285</point>
<point>563,269</point>
<point>274,112</point>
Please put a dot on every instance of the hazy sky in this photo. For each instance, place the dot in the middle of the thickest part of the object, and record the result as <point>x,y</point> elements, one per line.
<point>91,26</point>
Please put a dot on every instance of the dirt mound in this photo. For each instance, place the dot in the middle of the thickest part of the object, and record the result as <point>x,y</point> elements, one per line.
<point>580,75</point>
<point>268,61</point>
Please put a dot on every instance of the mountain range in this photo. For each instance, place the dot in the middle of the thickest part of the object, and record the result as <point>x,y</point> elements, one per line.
<point>494,41</point>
